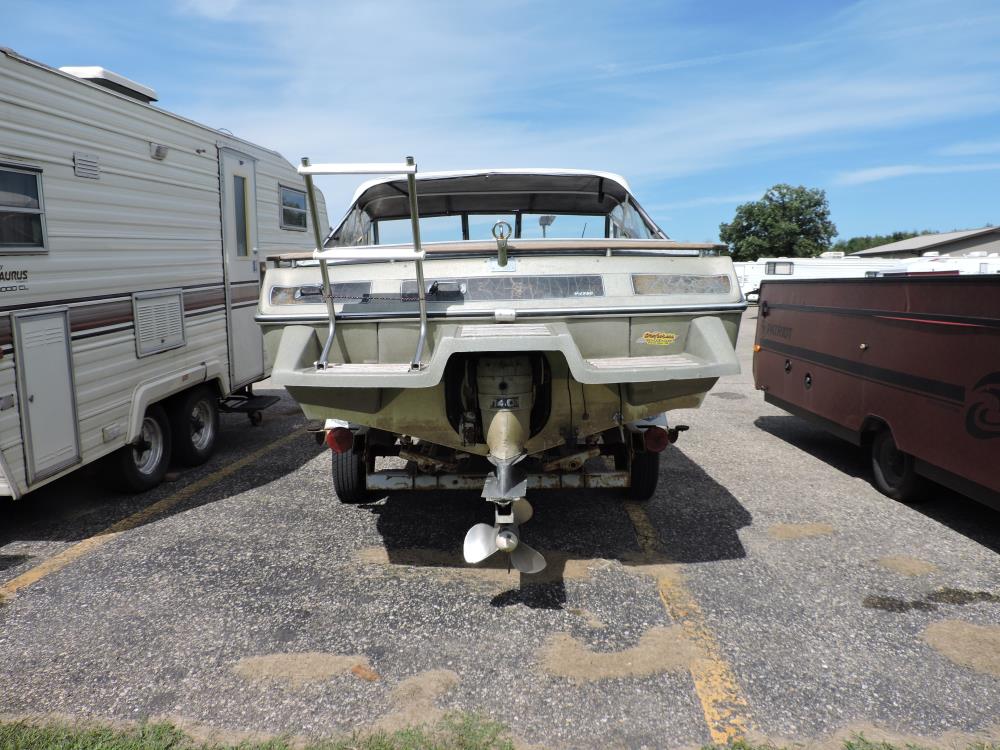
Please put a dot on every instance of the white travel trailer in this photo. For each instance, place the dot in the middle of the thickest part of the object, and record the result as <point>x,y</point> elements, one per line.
<point>829,265</point>
<point>131,243</point>
<point>973,263</point>
<point>749,273</point>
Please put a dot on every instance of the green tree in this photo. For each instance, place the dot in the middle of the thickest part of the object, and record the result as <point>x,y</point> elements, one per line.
<point>788,221</point>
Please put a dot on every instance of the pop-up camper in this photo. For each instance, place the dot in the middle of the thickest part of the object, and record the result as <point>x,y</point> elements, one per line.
<point>130,248</point>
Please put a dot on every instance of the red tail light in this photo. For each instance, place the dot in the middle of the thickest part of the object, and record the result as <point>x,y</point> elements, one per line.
<point>655,439</point>
<point>340,440</point>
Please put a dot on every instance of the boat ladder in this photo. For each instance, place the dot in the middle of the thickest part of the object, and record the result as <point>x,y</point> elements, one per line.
<point>366,252</point>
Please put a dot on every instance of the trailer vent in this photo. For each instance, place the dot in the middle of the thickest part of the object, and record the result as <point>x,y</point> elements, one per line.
<point>86,165</point>
<point>159,321</point>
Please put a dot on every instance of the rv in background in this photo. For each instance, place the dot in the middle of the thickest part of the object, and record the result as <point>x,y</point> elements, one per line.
<point>829,265</point>
<point>907,366</point>
<point>131,242</point>
<point>947,265</point>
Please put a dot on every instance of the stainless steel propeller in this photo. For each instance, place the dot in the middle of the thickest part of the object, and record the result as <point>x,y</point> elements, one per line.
<point>483,540</point>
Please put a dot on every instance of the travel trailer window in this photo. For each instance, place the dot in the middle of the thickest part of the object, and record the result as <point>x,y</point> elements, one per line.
<point>22,218</point>
<point>240,199</point>
<point>293,209</point>
<point>779,269</point>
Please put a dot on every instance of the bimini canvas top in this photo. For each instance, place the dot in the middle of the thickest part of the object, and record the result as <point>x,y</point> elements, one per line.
<point>493,191</point>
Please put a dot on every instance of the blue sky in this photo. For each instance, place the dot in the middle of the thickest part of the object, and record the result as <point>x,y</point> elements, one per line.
<point>893,107</point>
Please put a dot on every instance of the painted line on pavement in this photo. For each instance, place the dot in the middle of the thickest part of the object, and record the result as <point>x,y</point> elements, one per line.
<point>61,560</point>
<point>723,704</point>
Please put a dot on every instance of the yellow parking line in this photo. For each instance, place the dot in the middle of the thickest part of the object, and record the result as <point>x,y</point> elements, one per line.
<point>726,710</point>
<point>61,560</point>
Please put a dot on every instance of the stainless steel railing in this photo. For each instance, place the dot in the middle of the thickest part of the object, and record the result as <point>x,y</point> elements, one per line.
<point>307,171</point>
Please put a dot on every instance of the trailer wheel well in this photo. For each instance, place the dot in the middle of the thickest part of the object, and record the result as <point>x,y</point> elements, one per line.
<point>214,384</point>
<point>871,427</point>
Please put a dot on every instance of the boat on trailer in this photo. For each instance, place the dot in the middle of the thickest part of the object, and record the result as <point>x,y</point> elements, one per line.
<point>535,343</point>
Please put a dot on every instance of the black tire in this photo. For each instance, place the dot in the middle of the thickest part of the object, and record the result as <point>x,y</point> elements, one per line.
<point>140,466</point>
<point>349,473</point>
<point>194,424</point>
<point>893,470</point>
<point>645,473</point>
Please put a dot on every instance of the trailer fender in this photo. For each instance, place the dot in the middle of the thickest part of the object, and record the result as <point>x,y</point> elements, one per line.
<point>152,391</point>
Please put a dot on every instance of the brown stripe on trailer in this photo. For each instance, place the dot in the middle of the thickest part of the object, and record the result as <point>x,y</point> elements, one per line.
<point>245,292</point>
<point>198,299</point>
<point>87,317</point>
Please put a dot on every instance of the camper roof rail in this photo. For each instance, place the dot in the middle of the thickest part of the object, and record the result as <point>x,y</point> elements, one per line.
<point>307,170</point>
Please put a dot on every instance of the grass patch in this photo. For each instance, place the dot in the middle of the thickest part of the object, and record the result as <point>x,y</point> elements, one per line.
<point>456,731</point>
<point>453,732</point>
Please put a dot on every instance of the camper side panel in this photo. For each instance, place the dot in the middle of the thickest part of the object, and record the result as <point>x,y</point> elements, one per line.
<point>920,357</point>
<point>131,205</point>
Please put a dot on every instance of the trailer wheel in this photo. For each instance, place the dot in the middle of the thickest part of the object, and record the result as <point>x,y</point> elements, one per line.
<point>893,470</point>
<point>141,465</point>
<point>194,422</point>
<point>645,473</point>
<point>349,474</point>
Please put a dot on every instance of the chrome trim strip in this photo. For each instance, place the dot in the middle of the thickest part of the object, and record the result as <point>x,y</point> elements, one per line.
<point>521,314</point>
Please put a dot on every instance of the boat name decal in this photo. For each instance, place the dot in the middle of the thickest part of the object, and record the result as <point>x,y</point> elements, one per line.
<point>658,338</point>
<point>982,418</point>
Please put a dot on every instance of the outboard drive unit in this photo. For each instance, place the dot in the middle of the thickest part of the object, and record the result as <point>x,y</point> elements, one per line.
<point>505,386</point>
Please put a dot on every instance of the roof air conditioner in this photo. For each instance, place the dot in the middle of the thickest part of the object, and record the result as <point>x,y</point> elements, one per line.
<point>111,80</point>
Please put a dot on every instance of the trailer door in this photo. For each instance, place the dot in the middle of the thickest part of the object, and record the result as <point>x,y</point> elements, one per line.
<point>46,391</point>
<point>239,241</point>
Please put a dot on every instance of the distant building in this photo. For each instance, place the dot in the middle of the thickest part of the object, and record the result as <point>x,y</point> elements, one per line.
<point>980,242</point>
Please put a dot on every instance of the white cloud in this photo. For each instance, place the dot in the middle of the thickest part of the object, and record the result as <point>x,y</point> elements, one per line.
<point>971,148</point>
<point>215,9</point>
<point>463,85</point>
<point>876,174</point>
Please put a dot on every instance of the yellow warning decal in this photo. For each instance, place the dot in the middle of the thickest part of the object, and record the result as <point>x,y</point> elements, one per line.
<point>659,338</point>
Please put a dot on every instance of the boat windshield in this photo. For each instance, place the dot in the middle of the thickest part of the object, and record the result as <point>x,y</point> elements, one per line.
<point>480,227</point>
<point>466,207</point>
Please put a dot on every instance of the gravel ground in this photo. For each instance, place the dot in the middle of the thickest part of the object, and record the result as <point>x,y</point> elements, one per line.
<point>261,604</point>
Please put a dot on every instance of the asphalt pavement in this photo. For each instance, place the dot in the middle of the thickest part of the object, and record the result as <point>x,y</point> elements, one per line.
<point>766,591</point>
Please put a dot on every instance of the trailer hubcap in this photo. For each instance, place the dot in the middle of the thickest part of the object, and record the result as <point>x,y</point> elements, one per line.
<point>148,451</point>
<point>202,426</point>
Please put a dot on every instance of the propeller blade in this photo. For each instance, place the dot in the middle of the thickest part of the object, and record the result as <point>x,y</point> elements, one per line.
<point>527,560</point>
<point>480,543</point>
<point>522,511</point>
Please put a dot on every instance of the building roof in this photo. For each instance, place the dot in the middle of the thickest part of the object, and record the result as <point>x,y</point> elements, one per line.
<point>924,242</point>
